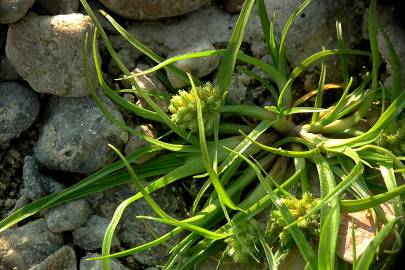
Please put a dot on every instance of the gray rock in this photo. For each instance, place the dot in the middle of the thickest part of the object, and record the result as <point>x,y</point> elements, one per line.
<point>36,185</point>
<point>47,51</point>
<point>7,71</point>
<point>135,232</point>
<point>67,216</point>
<point>19,107</point>
<point>238,87</point>
<point>388,19</point>
<point>28,245</point>
<point>64,258</point>
<point>75,135</point>
<point>90,236</point>
<point>146,10</point>
<point>56,7</point>
<point>13,10</point>
<point>96,265</point>
<point>233,6</point>
<point>135,143</point>
<point>198,67</point>
<point>128,57</point>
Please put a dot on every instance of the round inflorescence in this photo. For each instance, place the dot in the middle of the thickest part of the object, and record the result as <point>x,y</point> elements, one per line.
<point>183,107</point>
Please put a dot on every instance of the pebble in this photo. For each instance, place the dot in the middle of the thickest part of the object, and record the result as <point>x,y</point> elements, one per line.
<point>135,143</point>
<point>56,7</point>
<point>148,10</point>
<point>63,259</point>
<point>48,52</point>
<point>233,6</point>
<point>36,185</point>
<point>7,71</point>
<point>75,135</point>
<point>13,10</point>
<point>199,67</point>
<point>28,245</point>
<point>96,265</point>
<point>67,216</point>
<point>19,108</point>
<point>90,236</point>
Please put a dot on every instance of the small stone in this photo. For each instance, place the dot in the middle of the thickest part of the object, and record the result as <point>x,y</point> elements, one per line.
<point>96,265</point>
<point>47,51</point>
<point>90,236</point>
<point>135,143</point>
<point>151,85</point>
<point>19,108</point>
<point>28,245</point>
<point>67,216</point>
<point>128,56</point>
<point>13,10</point>
<point>75,135</point>
<point>293,260</point>
<point>56,7</point>
<point>147,10</point>
<point>237,89</point>
<point>7,71</point>
<point>365,230</point>
<point>198,67</point>
<point>9,203</point>
<point>63,259</point>
<point>36,185</point>
<point>233,6</point>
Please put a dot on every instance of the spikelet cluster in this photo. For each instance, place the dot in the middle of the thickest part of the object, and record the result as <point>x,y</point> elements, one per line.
<point>183,107</point>
<point>242,244</point>
<point>393,138</point>
<point>298,208</point>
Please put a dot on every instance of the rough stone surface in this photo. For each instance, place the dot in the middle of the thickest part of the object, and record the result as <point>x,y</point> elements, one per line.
<point>63,259</point>
<point>7,71</point>
<point>128,57</point>
<point>47,51</point>
<point>75,135</point>
<point>199,67</point>
<point>23,247</point>
<point>56,7</point>
<point>90,235</point>
<point>237,89</point>
<point>96,265</point>
<point>67,216</point>
<point>146,10</point>
<point>19,107</point>
<point>135,143</point>
<point>389,21</point>
<point>293,260</point>
<point>13,10</point>
<point>233,6</point>
<point>37,185</point>
<point>133,231</point>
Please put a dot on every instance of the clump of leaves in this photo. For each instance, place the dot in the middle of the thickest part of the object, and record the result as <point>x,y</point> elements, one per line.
<point>393,138</point>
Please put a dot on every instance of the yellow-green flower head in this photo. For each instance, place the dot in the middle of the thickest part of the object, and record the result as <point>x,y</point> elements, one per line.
<point>297,208</point>
<point>183,107</point>
<point>393,138</point>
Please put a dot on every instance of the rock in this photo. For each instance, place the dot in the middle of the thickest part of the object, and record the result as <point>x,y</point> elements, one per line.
<point>237,89</point>
<point>13,10</point>
<point>365,230</point>
<point>56,7</point>
<point>36,185</point>
<point>150,84</point>
<point>148,10</point>
<point>133,231</point>
<point>64,258</point>
<point>198,67</point>
<point>135,143</point>
<point>48,52</point>
<point>293,260</point>
<point>7,71</point>
<point>233,6</point>
<point>67,216</point>
<point>30,244</point>
<point>128,57</point>
<point>19,108</point>
<point>75,135</point>
<point>96,265</point>
<point>90,236</point>
<point>388,18</point>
